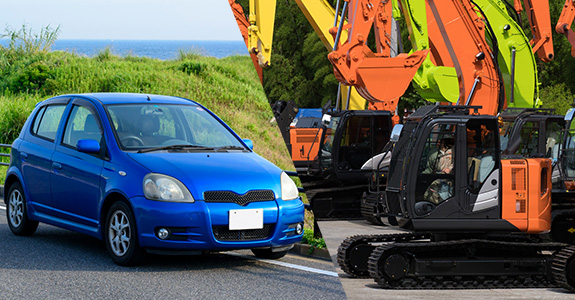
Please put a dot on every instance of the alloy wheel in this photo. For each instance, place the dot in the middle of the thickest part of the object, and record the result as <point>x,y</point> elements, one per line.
<point>119,233</point>
<point>16,208</point>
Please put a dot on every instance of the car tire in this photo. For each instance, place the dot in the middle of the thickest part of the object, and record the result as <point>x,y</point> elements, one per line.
<point>268,254</point>
<point>17,214</point>
<point>121,236</point>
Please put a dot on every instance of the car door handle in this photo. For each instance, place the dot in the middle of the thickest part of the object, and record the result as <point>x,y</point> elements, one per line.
<point>57,166</point>
<point>24,155</point>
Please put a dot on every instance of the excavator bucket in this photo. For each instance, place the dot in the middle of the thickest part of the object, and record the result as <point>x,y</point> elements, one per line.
<point>388,78</point>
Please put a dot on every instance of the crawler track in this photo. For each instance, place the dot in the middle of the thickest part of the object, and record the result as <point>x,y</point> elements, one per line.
<point>353,253</point>
<point>563,268</point>
<point>413,261</point>
<point>369,210</point>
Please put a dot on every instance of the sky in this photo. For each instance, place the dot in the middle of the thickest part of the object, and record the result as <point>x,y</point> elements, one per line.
<point>124,19</point>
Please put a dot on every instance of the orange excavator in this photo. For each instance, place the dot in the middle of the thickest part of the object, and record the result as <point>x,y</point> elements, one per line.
<point>477,218</point>
<point>436,77</point>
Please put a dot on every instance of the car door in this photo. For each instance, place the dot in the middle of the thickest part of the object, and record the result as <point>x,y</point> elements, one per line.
<point>36,151</point>
<point>75,176</point>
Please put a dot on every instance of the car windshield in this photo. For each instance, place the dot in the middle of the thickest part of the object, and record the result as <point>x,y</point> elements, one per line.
<point>155,127</point>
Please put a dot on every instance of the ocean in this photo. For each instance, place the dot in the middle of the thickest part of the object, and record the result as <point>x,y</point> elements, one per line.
<point>164,50</point>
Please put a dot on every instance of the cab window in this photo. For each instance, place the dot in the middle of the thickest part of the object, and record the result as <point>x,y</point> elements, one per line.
<point>529,139</point>
<point>436,175</point>
<point>481,154</point>
<point>355,145</point>
<point>552,139</point>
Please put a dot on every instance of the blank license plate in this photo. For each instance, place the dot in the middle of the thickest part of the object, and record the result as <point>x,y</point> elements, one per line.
<point>246,219</point>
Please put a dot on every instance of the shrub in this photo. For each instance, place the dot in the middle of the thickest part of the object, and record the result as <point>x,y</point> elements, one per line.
<point>194,67</point>
<point>30,78</point>
<point>309,239</point>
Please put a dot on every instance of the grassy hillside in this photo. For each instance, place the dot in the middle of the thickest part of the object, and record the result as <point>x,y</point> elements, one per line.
<point>229,87</point>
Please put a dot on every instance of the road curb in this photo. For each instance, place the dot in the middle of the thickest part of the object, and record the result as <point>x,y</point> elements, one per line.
<point>307,250</point>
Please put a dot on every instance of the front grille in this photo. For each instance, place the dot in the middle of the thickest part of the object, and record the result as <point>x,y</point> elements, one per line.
<point>222,233</point>
<point>245,199</point>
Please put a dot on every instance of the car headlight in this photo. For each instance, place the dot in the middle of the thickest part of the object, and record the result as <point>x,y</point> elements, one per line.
<point>165,188</point>
<point>289,189</point>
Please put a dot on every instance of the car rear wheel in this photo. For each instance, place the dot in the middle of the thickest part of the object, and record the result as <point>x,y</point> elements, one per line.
<point>121,236</point>
<point>268,253</point>
<point>16,212</point>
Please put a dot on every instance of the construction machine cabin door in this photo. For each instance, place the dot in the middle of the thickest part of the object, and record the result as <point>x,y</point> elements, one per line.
<point>457,174</point>
<point>360,136</point>
<point>554,127</point>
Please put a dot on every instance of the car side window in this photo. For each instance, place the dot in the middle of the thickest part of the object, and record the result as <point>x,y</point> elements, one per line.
<point>47,120</point>
<point>82,124</point>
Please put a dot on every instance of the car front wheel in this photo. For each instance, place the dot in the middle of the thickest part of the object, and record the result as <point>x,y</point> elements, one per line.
<point>121,236</point>
<point>16,212</point>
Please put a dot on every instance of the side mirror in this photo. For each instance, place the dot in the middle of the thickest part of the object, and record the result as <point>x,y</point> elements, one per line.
<point>326,119</point>
<point>249,143</point>
<point>569,114</point>
<point>88,146</point>
<point>396,132</point>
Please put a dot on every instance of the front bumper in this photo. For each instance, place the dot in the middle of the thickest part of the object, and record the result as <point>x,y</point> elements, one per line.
<point>205,226</point>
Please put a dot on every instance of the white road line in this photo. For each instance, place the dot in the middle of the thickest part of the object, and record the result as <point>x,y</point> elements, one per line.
<point>284,264</point>
<point>2,207</point>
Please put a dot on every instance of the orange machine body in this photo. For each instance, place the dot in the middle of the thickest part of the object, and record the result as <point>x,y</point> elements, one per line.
<point>305,143</point>
<point>526,194</point>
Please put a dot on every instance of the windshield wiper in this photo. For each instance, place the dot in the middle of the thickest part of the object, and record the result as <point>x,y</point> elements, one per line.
<point>176,147</point>
<point>229,148</point>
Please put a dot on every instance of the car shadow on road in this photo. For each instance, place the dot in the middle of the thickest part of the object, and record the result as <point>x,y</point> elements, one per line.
<point>56,249</point>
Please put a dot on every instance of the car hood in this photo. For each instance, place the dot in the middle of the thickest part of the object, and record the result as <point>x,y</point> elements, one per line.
<point>238,172</point>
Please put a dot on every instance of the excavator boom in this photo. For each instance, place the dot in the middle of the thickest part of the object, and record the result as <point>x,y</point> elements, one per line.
<point>243,25</point>
<point>540,24</point>
<point>564,23</point>
<point>379,77</point>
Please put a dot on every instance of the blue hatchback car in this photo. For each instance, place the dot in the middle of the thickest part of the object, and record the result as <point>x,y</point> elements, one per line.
<point>148,173</point>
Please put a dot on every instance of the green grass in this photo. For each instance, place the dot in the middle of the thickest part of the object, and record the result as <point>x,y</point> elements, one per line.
<point>315,243</point>
<point>228,86</point>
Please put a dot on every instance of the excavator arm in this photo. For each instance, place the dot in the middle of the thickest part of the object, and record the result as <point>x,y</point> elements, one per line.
<point>435,76</point>
<point>540,24</point>
<point>243,25</point>
<point>321,16</point>
<point>377,76</point>
<point>452,30</point>
<point>564,23</point>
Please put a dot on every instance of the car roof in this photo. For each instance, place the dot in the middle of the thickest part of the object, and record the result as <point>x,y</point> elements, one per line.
<point>128,98</point>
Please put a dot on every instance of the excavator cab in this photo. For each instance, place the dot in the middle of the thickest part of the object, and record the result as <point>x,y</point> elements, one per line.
<point>335,179</point>
<point>351,138</point>
<point>446,175</point>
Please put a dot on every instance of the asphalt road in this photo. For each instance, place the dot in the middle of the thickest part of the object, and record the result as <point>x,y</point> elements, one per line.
<point>334,232</point>
<point>58,264</point>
